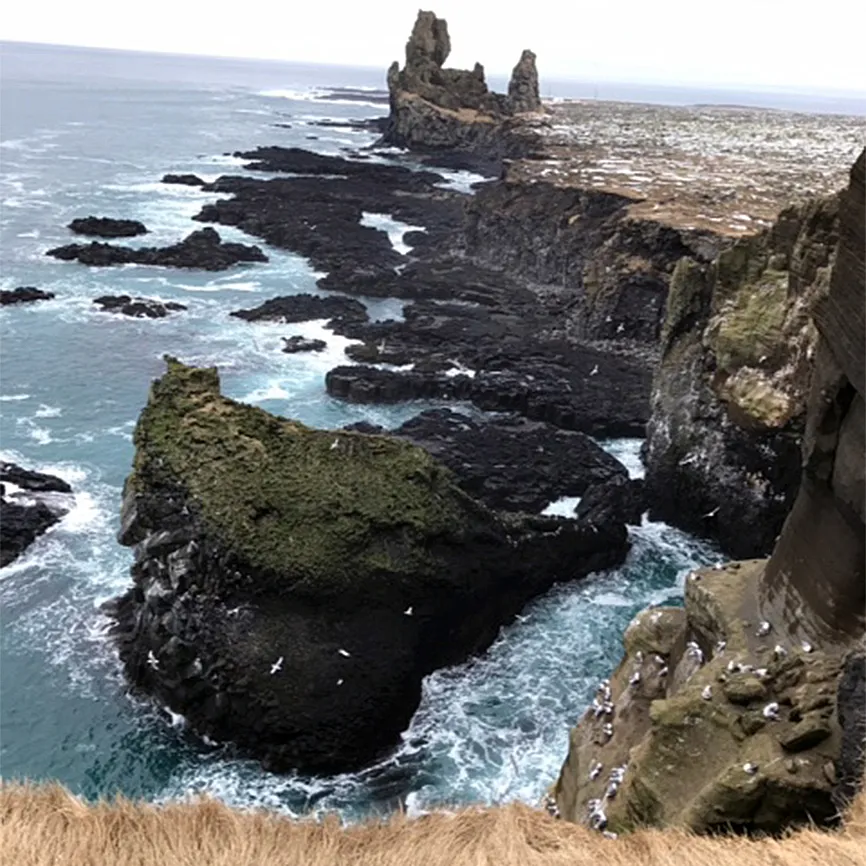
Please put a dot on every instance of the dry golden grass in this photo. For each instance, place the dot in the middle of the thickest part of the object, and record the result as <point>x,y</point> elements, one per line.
<point>47,826</point>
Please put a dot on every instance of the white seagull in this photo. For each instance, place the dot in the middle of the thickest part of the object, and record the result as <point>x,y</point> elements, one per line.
<point>152,660</point>
<point>779,651</point>
<point>714,512</point>
<point>277,666</point>
<point>806,646</point>
<point>339,682</point>
<point>750,768</point>
<point>635,678</point>
<point>408,611</point>
<point>771,711</point>
<point>720,646</point>
<point>594,370</point>
<point>344,653</point>
<point>707,693</point>
<point>763,629</point>
<point>335,444</point>
<point>597,767</point>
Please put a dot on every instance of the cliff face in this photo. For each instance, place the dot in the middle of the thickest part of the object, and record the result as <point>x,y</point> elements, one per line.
<point>729,395</point>
<point>434,108</point>
<point>292,587</point>
<point>744,708</point>
<point>581,244</point>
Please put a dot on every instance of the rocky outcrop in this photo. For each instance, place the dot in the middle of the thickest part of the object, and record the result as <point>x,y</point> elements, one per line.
<point>30,503</point>
<point>137,308</point>
<point>744,709</point>
<point>507,461</point>
<point>729,396</point>
<point>433,108</point>
<point>107,227</point>
<point>305,308</point>
<point>23,295</point>
<point>201,250</point>
<point>298,343</point>
<point>183,179</point>
<point>292,586</point>
<point>523,93</point>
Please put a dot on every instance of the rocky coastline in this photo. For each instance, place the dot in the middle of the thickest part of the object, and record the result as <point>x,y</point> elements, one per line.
<point>292,587</point>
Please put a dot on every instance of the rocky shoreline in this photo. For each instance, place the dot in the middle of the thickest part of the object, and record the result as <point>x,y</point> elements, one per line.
<point>292,587</point>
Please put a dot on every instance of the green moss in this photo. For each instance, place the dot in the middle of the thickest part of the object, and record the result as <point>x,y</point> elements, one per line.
<point>749,328</point>
<point>315,505</point>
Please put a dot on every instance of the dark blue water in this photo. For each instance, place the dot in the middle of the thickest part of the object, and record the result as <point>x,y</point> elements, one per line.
<point>92,132</point>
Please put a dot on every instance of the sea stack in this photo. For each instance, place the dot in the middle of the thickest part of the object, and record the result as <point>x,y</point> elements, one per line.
<point>275,563</point>
<point>434,108</point>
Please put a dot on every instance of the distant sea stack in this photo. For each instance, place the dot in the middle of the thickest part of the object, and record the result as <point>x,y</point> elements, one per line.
<point>434,108</point>
<point>744,708</point>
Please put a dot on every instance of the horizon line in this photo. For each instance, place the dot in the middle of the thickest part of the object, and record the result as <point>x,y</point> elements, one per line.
<point>792,89</point>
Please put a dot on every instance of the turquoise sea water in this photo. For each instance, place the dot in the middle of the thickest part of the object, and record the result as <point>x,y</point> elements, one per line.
<point>90,132</point>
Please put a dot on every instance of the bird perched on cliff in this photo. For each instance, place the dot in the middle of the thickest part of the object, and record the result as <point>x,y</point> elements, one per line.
<point>707,693</point>
<point>720,646</point>
<point>763,629</point>
<point>608,730</point>
<point>152,660</point>
<point>779,651</point>
<point>806,646</point>
<point>750,768</point>
<point>694,651</point>
<point>595,770</point>
<point>335,444</point>
<point>634,679</point>
<point>277,666</point>
<point>771,711</point>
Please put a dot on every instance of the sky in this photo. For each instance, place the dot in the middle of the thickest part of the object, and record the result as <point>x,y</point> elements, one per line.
<point>791,44</point>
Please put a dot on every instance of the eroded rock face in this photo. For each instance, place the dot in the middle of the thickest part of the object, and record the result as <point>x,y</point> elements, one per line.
<point>745,709</point>
<point>729,395</point>
<point>523,87</point>
<point>434,108</point>
<point>293,586</point>
<point>30,503</point>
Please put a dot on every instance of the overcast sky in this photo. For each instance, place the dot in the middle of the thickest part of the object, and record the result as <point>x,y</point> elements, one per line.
<point>779,43</point>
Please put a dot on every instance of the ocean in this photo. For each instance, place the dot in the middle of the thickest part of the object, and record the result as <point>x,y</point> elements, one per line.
<point>92,132</point>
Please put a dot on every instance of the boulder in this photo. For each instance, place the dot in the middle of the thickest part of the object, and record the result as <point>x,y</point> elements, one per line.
<point>292,587</point>
<point>139,308</point>
<point>38,502</point>
<point>201,250</point>
<point>107,227</point>
<point>183,179</point>
<point>24,295</point>
<point>293,345</point>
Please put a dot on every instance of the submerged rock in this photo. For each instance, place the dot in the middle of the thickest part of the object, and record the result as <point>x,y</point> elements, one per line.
<point>29,511</point>
<point>292,586</point>
<point>24,295</point>
<point>107,227</point>
<point>201,250</point>
<point>146,308</point>
<point>305,308</point>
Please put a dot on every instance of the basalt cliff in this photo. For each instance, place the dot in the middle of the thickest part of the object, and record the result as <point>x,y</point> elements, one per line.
<point>745,708</point>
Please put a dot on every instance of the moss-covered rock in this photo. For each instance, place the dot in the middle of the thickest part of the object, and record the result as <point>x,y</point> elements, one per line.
<point>293,586</point>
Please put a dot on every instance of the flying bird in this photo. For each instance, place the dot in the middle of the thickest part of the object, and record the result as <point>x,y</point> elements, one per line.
<point>152,660</point>
<point>408,611</point>
<point>344,653</point>
<point>714,512</point>
<point>277,666</point>
<point>594,370</point>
